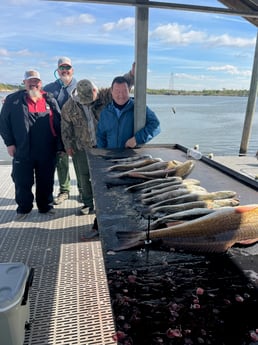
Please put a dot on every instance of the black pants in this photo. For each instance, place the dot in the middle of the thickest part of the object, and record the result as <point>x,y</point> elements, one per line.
<point>24,174</point>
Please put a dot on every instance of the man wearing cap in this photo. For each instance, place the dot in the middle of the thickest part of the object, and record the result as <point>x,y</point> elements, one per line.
<point>61,90</point>
<point>79,118</point>
<point>30,128</point>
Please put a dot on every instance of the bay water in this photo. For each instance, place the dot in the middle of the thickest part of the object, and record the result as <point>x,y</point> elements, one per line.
<point>215,123</point>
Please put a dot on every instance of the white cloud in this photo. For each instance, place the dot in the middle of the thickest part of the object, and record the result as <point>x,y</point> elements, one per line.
<point>229,41</point>
<point>190,76</point>
<point>23,52</point>
<point>109,26</point>
<point>4,52</point>
<point>185,35</point>
<point>230,70</point>
<point>175,33</point>
<point>7,53</point>
<point>122,24</point>
<point>83,18</point>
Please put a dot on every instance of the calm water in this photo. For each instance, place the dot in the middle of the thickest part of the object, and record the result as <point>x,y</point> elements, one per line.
<point>214,123</point>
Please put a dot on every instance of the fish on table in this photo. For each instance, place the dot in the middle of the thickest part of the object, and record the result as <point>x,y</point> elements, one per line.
<point>133,165</point>
<point>181,216</point>
<point>154,182</point>
<point>155,166</point>
<point>160,211</point>
<point>173,193</point>
<point>215,232</point>
<point>163,187</point>
<point>195,196</point>
<point>128,158</point>
<point>182,170</point>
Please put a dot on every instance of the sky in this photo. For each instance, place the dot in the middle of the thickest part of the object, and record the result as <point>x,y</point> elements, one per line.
<point>186,50</point>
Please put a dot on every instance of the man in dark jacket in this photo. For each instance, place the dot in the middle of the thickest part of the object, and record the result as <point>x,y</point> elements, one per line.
<point>30,128</point>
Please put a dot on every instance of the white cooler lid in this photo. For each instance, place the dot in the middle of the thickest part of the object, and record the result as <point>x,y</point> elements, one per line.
<point>13,277</point>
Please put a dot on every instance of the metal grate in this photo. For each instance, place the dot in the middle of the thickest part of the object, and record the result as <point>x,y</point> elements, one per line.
<point>69,298</point>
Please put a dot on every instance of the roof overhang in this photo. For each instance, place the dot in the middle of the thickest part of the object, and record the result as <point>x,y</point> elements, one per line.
<point>247,9</point>
<point>246,6</point>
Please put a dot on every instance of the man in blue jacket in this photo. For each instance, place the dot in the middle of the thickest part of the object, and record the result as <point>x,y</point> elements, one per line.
<point>115,128</point>
<point>31,130</point>
<point>61,90</point>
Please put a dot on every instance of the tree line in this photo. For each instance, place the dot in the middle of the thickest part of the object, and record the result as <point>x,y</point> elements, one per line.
<point>223,92</point>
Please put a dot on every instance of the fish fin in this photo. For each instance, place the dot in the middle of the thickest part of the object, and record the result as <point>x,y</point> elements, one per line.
<point>246,208</point>
<point>248,241</point>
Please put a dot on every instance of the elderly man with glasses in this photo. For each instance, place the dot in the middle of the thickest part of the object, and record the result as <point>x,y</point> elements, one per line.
<point>30,128</point>
<point>61,89</point>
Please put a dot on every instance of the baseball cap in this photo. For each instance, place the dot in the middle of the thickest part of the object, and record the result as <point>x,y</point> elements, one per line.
<point>85,91</point>
<point>64,61</point>
<point>31,74</point>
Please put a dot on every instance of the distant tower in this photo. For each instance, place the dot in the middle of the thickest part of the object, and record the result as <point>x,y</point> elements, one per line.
<point>171,82</point>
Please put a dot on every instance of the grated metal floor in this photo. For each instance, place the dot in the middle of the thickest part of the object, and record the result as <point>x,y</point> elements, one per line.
<point>69,298</point>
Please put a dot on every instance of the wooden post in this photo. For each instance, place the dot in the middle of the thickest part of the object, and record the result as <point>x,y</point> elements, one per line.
<point>251,104</point>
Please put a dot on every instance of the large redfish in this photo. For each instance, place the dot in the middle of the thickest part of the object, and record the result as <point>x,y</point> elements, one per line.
<point>215,232</point>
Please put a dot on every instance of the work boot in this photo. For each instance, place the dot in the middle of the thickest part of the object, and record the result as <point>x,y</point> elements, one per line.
<point>61,198</point>
<point>85,210</point>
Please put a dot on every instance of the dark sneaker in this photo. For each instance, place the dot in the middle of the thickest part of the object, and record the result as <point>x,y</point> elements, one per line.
<point>61,198</point>
<point>95,224</point>
<point>50,212</point>
<point>85,210</point>
<point>90,235</point>
<point>20,216</point>
<point>91,210</point>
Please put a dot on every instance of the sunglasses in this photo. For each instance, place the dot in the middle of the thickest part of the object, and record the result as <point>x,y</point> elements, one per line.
<point>64,68</point>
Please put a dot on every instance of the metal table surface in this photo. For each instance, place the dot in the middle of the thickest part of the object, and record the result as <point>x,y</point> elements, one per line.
<point>115,211</point>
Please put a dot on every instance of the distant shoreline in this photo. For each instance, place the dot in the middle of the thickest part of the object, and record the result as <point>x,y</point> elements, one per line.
<point>223,92</point>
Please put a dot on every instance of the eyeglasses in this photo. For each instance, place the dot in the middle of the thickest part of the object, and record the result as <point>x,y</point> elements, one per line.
<point>64,68</point>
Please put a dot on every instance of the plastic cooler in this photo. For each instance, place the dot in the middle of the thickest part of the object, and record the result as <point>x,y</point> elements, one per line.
<point>15,281</point>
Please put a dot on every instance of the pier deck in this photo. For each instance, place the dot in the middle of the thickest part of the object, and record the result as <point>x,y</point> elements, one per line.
<point>69,298</point>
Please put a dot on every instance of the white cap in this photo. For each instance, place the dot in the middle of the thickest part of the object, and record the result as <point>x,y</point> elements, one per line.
<point>64,61</point>
<point>31,74</point>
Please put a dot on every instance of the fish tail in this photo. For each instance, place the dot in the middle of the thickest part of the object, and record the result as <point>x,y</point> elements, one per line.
<point>129,239</point>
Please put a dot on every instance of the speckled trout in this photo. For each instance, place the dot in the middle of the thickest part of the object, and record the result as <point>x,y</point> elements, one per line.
<point>216,232</point>
<point>164,187</point>
<point>155,182</point>
<point>129,159</point>
<point>155,166</point>
<point>134,165</point>
<point>181,170</point>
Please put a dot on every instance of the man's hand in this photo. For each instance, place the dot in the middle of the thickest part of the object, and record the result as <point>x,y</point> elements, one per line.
<point>11,150</point>
<point>131,143</point>
<point>70,152</point>
<point>133,69</point>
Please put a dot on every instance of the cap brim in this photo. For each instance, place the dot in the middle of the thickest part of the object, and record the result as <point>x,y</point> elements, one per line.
<point>32,78</point>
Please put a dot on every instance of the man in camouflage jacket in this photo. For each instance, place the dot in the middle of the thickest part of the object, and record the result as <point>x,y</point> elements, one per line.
<point>79,118</point>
